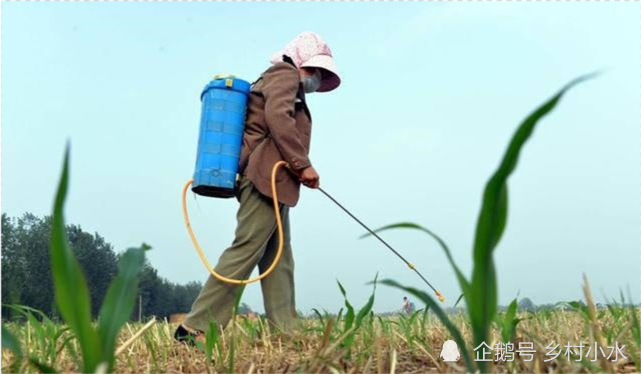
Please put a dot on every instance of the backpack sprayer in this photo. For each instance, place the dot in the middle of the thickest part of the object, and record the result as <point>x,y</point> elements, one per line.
<point>222,120</point>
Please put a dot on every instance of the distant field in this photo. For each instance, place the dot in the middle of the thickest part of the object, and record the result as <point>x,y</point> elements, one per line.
<point>381,345</point>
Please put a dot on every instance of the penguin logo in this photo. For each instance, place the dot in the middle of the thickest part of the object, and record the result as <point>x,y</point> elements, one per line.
<point>450,351</point>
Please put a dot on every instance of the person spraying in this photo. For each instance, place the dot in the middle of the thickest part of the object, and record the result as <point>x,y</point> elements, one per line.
<point>277,128</point>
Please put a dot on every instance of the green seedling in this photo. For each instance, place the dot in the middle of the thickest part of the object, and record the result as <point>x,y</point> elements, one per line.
<point>97,344</point>
<point>480,291</point>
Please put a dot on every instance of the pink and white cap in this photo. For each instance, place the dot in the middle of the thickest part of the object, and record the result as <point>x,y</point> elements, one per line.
<point>309,50</point>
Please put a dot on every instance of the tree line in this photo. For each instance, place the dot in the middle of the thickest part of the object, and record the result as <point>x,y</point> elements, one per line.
<point>26,271</point>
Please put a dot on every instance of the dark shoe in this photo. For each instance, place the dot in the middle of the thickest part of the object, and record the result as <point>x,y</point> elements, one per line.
<point>185,336</point>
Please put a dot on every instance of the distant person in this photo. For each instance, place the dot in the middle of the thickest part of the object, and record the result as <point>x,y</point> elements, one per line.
<point>407,306</point>
<point>277,127</point>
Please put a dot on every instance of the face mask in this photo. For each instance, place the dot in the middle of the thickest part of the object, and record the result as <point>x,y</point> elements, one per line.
<point>311,84</point>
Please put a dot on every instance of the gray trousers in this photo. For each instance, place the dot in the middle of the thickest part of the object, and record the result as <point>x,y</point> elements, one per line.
<point>255,243</point>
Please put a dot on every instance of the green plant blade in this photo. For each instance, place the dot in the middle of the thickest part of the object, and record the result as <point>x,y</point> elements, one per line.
<point>27,310</point>
<point>458,300</point>
<point>464,284</point>
<point>482,299</point>
<point>211,339</point>
<point>367,307</point>
<point>509,323</point>
<point>10,342</point>
<point>70,286</point>
<point>232,346</point>
<point>240,289</point>
<point>349,316</point>
<point>319,315</point>
<point>458,337</point>
<point>42,367</point>
<point>339,315</point>
<point>119,301</point>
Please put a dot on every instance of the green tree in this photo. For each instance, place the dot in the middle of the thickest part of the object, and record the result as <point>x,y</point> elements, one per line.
<point>526,304</point>
<point>12,277</point>
<point>97,260</point>
<point>26,271</point>
<point>32,262</point>
<point>185,295</point>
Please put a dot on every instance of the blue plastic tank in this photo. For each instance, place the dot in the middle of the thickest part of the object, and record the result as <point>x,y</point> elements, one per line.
<point>222,120</point>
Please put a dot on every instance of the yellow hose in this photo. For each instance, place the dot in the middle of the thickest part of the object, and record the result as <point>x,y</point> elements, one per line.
<point>279,226</point>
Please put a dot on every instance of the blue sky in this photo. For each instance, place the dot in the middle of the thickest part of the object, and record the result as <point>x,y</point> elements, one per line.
<point>431,94</point>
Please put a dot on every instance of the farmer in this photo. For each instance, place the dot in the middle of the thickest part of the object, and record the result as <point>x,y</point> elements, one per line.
<point>407,306</point>
<point>277,127</point>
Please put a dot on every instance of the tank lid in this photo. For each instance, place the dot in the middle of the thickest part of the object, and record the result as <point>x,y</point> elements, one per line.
<point>223,76</point>
<point>229,82</point>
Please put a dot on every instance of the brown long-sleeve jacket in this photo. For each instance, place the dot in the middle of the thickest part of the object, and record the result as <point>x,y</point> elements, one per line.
<point>277,127</point>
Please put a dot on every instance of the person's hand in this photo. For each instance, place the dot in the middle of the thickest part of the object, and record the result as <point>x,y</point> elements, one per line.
<point>309,177</point>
